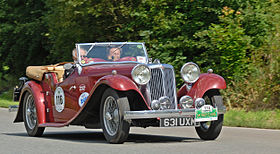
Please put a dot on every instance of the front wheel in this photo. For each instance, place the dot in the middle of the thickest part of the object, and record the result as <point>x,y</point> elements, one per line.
<point>30,116</point>
<point>112,108</point>
<point>211,130</point>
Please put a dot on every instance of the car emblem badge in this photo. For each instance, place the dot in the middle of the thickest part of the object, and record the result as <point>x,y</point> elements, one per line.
<point>82,88</point>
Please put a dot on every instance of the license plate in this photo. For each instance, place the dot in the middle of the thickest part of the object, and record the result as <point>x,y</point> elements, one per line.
<point>206,113</point>
<point>174,122</point>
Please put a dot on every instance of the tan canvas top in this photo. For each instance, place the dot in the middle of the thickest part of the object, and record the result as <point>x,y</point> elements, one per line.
<point>37,72</point>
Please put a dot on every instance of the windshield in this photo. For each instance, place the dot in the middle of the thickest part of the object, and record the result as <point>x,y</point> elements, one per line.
<point>111,52</point>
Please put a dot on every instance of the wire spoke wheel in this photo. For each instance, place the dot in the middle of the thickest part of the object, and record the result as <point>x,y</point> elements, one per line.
<point>205,125</point>
<point>210,130</point>
<point>30,116</point>
<point>111,115</point>
<point>112,108</point>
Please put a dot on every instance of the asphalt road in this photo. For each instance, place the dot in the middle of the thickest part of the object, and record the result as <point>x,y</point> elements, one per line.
<point>13,139</point>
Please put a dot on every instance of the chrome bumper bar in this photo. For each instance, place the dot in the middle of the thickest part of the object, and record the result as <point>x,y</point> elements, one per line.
<point>172,113</point>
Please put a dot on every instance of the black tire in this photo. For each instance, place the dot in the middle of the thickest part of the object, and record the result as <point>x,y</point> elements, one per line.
<point>211,130</point>
<point>30,116</point>
<point>115,128</point>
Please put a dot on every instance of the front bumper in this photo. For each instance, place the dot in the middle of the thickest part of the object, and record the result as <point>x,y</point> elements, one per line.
<point>171,113</point>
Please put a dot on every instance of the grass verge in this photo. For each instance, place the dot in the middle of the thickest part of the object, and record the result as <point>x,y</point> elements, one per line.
<point>6,99</point>
<point>6,103</point>
<point>254,119</point>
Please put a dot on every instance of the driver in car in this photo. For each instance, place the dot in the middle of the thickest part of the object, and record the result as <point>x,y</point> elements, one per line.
<point>114,54</point>
<point>83,53</point>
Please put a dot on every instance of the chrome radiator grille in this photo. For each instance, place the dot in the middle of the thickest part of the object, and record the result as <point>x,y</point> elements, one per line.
<point>162,83</point>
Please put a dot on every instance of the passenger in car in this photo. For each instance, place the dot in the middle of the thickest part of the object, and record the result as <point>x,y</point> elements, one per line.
<point>114,54</point>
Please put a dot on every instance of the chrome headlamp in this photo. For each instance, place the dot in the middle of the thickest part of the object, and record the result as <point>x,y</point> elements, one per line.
<point>141,74</point>
<point>190,72</point>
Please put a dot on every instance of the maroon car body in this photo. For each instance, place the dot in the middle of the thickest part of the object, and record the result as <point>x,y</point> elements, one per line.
<point>85,93</point>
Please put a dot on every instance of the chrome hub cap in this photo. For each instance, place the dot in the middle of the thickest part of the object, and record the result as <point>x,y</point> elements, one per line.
<point>111,116</point>
<point>30,116</point>
<point>108,116</point>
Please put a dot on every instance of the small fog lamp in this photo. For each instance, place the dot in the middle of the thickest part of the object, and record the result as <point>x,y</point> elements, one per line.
<point>155,105</point>
<point>165,103</point>
<point>186,102</point>
<point>199,102</point>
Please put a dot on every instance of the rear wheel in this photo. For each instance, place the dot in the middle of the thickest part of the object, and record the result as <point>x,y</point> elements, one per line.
<point>30,116</point>
<point>211,130</point>
<point>112,108</point>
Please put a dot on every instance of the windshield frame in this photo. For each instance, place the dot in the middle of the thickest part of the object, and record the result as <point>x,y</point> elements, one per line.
<point>110,43</point>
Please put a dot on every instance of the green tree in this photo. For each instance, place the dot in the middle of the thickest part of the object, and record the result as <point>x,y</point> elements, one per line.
<point>227,47</point>
<point>22,35</point>
<point>78,21</point>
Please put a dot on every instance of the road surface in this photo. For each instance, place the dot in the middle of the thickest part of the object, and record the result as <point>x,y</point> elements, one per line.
<point>78,140</point>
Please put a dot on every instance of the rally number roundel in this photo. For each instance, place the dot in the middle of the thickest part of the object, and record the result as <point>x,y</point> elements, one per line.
<point>59,99</point>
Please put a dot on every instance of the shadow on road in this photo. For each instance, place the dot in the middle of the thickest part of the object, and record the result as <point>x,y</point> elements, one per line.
<point>141,138</point>
<point>98,137</point>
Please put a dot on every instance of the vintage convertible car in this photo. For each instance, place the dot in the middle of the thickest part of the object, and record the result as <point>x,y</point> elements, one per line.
<point>117,90</point>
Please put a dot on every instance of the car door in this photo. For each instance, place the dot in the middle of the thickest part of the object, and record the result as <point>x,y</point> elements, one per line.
<point>65,99</point>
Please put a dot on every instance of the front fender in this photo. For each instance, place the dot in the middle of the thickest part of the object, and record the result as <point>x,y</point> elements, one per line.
<point>118,82</point>
<point>205,82</point>
<point>36,90</point>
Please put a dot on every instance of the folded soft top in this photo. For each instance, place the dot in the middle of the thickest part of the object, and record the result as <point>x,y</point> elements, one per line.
<point>37,72</point>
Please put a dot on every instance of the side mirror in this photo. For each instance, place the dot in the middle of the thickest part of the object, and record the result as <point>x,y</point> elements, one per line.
<point>68,66</point>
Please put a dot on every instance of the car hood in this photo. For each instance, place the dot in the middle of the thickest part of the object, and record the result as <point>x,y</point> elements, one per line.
<point>106,69</point>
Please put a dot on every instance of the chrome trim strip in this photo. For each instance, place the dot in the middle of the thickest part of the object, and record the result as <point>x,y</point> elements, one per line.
<point>145,52</point>
<point>163,82</point>
<point>158,113</point>
<point>172,113</point>
<point>109,43</point>
<point>175,90</point>
<point>152,66</point>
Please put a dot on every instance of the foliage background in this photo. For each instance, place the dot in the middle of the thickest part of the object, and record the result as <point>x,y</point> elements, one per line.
<point>239,39</point>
